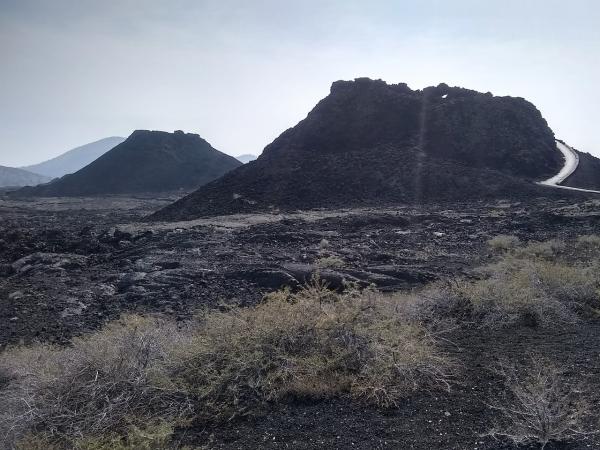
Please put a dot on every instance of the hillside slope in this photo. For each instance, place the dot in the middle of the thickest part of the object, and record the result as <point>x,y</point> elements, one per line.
<point>13,177</point>
<point>587,174</point>
<point>75,159</point>
<point>148,161</point>
<point>371,143</point>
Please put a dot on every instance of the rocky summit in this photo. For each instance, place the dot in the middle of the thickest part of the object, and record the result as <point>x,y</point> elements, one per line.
<point>373,143</point>
<point>148,161</point>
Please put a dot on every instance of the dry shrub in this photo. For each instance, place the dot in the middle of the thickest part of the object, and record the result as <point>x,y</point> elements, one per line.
<point>504,242</point>
<point>589,240</point>
<point>438,307</point>
<point>106,389</point>
<point>533,292</point>
<point>330,262</point>
<point>527,286</point>
<point>312,344</point>
<point>538,405</point>
<point>588,246</point>
<point>155,436</point>
<point>106,382</point>
<point>547,249</point>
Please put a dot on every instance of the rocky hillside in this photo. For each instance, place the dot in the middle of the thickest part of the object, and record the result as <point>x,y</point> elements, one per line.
<point>148,161</point>
<point>13,177</point>
<point>372,143</point>
<point>75,159</point>
<point>587,175</point>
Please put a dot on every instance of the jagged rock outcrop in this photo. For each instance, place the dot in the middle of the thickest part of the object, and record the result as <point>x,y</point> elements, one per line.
<point>370,143</point>
<point>148,161</point>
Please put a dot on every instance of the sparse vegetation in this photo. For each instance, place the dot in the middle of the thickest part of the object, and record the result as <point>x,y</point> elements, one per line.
<point>524,287</point>
<point>328,262</point>
<point>538,405</point>
<point>311,344</point>
<point>153,436</point>
<point>588,245</point>
<point>534,292</point>
<point>547,249</point>
<point>314,344</point>
<point>504,242</point>
<point>111,381</point>
<point>132,383</point>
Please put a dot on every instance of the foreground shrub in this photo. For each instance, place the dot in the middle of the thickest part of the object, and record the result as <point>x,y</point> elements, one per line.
<point>538,406</point>
<point>533,292</point>
<point>155,436</point>
<point>108,389</point>
<point>530,286</point>
<point>107,382</point>
<point>313,344</point>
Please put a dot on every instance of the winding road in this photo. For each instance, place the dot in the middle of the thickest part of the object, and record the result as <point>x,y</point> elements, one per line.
<point>571,163</point>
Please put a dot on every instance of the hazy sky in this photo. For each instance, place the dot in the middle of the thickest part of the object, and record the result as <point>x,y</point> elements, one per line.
<point>240,72</point>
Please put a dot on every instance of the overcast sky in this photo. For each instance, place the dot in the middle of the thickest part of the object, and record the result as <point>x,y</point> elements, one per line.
<point>240,72</point>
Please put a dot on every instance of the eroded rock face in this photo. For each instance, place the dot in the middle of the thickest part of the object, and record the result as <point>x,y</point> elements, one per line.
<point>373,143</point>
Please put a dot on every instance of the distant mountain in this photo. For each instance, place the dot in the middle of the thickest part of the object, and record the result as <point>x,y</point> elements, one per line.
<point>13,177</point>
<point>73,160</point>
<point>147,161</point>
<point>246,158</point>
<point>372,143</point>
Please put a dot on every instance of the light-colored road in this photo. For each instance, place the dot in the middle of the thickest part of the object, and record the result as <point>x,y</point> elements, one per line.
<point>571,163</point>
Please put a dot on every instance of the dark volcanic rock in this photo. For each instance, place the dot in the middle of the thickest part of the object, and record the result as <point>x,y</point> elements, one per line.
<point>148,161</point>
<point>371,143</point>
<point>587,175</point>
